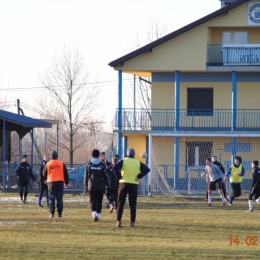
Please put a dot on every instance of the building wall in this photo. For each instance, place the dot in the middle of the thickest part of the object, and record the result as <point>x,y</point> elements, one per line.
<point>138,142</point>
<point>163,89</point>
<point>179,53</point>
<point>163,95</point>
<point>215,34</point>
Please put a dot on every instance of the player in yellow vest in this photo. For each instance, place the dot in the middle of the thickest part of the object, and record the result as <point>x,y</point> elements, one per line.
<point>128,171</point>
<point>235,173</point>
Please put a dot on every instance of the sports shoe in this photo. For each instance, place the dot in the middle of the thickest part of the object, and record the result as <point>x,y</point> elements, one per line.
<point>95,219</point>
<point>118,223</point>
<point>111,208</point>
<point>51,215</point>
<point>209,205</point>
<point>250,210</point>
<point>21,202</point>
<point>132,224</point>
<point>230,202</point>
<point>258,200</point>
<point>25,202</point>
<point>60,215</point>
<point>40,206</point>
<point>107,205</point>
<point>223,204</point>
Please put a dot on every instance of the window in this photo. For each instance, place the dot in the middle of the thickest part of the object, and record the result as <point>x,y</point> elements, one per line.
<point>234,38</point>
<point>200,101</point>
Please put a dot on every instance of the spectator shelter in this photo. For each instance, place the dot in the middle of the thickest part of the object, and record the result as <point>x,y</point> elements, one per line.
<point>22,125</point>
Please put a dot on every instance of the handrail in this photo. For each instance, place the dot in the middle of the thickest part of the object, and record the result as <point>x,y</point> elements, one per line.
<point>233,54</point>
<point>189,119</point>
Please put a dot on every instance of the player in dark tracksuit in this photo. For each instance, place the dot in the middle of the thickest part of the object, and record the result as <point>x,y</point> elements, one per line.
<point>255,188</point>
<point>107,164</point>
<point>112,189</point>
<point>24,173</point>
<point>42,186</point>
<point>95,180</point>
<point>214,160</point>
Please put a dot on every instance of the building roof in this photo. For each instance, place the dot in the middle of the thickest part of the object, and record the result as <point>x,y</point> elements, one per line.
<point>21,124</point>
<point>148,48</point>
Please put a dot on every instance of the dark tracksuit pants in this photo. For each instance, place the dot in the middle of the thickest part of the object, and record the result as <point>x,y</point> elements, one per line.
<point>131,190</point>
<point>236,190</point>
<point>112,196</point>
<point>24,186</point>
<point>58,194</point>
<point>43,187</point>
<point>254,192</point>
<point>95,199</point>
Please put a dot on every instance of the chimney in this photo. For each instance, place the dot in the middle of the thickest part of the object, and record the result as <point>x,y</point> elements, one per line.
<point>225,3</point>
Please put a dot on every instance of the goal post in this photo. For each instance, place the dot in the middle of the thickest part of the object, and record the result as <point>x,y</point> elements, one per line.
<point>177,160</point>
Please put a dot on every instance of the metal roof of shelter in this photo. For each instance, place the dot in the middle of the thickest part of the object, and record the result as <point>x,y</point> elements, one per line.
<point>21,124</point>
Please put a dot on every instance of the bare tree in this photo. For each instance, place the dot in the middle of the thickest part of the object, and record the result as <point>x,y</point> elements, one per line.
<point>154,31</point>
<point>71,100</point>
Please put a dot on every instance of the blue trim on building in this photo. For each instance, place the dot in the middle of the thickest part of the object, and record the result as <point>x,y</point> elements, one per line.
<point>177,100</point>
<point>163,77</point>
<point>240,147</point>
<point>234,99</point>
<point>125,146</point>
<point>248,77</point>
<point>206,77</point>
<point>233,149</point>
<point>119,119</point>
<point>147,149</point>
<point>176,161</point>
<point>4,155</point>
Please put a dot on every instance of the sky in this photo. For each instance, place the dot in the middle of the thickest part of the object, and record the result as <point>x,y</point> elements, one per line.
<point>33,31</point>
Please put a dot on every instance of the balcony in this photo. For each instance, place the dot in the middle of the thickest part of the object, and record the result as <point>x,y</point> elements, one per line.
<point>233,55</point>
<point>189,120</point>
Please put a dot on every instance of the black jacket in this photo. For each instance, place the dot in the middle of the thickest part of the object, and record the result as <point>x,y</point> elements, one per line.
<point>220,166</point>
<point>112,177</point>
<point>256,177</point>
<point>24,172</point>
<point>40,173</point>
<point>95,175</point>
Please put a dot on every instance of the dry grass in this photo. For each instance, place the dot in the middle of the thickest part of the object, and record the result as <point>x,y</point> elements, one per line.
<point>166,228</point>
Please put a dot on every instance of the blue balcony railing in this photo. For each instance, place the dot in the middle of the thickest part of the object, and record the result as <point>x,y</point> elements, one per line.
<point>233,54</point>
<point>189,119</point>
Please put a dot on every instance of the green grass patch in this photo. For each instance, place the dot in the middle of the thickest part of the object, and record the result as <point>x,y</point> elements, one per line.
<point>166,228</point>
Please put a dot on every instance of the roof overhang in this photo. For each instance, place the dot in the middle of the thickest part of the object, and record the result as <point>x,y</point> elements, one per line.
<point>149,47</point>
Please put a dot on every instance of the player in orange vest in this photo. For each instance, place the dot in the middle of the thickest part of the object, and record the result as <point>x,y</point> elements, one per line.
<point>56,177</point>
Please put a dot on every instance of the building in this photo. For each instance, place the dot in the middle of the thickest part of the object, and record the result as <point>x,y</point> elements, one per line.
<point>205,81</point>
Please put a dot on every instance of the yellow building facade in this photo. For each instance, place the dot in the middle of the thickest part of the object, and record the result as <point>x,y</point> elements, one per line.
<point>205,86</point>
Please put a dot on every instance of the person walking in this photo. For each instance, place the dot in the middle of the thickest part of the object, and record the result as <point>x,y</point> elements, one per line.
<point>42,186</point>
<point>107,164</point>
<point>255,187</point>
<point>96,180</point>
<point>57,178</point>
<point>220,166</point>
<point>112,189</point>
<point>128,171</point>
<point>236,173</point>
<point>24,173</point>
<point>214,177</point>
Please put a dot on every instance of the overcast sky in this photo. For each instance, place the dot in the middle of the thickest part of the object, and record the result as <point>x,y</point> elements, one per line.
<point>33,31</point>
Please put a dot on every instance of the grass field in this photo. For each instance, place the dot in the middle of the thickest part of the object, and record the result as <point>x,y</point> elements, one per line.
<point>166,228</point>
